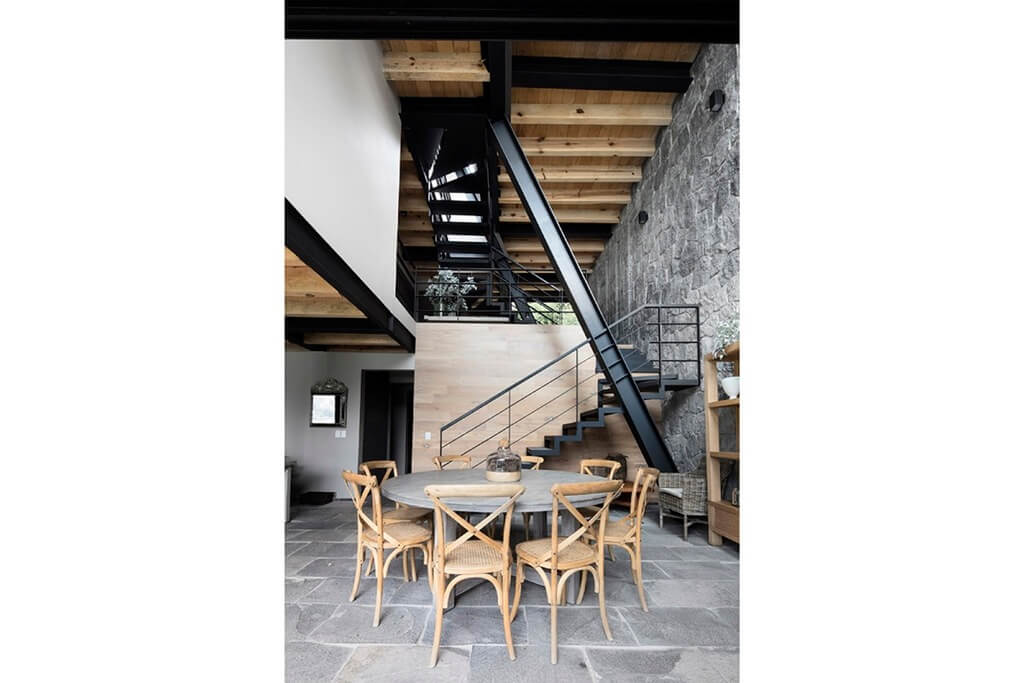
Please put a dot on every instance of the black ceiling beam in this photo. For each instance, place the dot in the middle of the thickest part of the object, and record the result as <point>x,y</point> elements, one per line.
<point>441,112</point>
<point>694,21</point>
<point>295,325</point>
<point>600,74</point>
<point>303,239</point>
<point>498,91</point>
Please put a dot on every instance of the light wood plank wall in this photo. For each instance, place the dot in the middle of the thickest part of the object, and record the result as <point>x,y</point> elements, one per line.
<point>458,365</point>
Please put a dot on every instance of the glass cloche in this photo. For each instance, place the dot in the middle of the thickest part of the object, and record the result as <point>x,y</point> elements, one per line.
<point>503,464</point>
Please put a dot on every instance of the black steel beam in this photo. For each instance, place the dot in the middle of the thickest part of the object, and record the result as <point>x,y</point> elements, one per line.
<point>299,325</point>
<point>498,92</point>
<point>694,21</point>
<point>600,74</point>
<point>441,112</point>
<point>303,239</point>
<point>595,327</point>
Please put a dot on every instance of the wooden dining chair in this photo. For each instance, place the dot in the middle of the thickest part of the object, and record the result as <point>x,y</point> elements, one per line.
<point>588,465</point>
<point>628,532</point>
<point>474,554</point>
<point>401,513</point>
<point>441,462</point>
<point>375,537</point>
<point>569,554</point>
<point>536,462</point>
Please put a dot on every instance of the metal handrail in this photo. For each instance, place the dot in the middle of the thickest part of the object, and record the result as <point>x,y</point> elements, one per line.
<point>658,342</point>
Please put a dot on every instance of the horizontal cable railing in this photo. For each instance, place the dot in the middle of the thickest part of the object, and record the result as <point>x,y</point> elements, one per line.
<point>559,384</point>
<point>500,292</point>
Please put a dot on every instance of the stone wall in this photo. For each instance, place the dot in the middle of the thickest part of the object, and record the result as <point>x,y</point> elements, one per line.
<point>688,251</point>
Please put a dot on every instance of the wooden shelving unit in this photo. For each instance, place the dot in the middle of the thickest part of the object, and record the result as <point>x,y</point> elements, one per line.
<point>723,516</point>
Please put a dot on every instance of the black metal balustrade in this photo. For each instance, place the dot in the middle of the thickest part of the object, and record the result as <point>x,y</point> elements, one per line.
<point>665,357</point>
<point>510,292</point>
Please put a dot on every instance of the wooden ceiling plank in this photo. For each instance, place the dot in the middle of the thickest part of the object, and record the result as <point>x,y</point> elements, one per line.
<point>583,147</point>
<point>320,307</point>
<point>592,114</point>
<point>434,66</point>
<point>556,195</point>
<point>593,215</point>
<point>344,338</point>
<point>582,174</point>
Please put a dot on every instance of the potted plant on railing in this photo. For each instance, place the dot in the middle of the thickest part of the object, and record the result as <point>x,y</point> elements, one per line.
<point>447,292</point>
<point>727,332</point>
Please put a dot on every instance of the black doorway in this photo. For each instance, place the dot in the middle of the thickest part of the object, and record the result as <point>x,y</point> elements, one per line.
<point>385,431</point>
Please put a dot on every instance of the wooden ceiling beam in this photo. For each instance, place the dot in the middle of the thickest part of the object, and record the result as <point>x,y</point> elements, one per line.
<point>415,224</point>
<point>592,114</point>
<point>587,147</point>
<point>416,239</point>
<point>596,215</point>
<point>346,339</point>
<point>558,195</point>
<point>304,281</point>
<point>581,174</point>
<point>320,307</point>
<point>435,66</point>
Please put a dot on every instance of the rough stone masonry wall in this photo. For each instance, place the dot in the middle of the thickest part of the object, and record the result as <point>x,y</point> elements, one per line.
<point>688,251</point>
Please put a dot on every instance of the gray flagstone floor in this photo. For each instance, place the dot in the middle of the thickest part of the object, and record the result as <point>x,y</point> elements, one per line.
<point>691,632</point>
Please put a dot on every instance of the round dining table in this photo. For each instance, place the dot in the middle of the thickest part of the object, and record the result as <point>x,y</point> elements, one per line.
<point>536,499</point>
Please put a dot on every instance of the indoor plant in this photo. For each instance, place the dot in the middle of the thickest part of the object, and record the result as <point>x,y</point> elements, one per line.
<point>446,292</point>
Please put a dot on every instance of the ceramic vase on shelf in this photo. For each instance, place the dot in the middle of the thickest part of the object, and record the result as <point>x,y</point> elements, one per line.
<point>503,465</point>
<point>731,385</point>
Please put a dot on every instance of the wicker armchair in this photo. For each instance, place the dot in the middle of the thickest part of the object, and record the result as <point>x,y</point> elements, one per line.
<point>683,495</point>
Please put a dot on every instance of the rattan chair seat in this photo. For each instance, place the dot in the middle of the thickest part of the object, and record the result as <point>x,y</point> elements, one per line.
<point>405,533</point>
<point>473,557</point>
<point>575,553</point>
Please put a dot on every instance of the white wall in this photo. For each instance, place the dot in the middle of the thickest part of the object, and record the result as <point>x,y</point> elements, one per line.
<point>342,155</point>
<point>319,456</point>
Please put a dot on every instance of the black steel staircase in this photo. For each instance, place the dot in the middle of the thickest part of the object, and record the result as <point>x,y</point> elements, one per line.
<point>662,356</point>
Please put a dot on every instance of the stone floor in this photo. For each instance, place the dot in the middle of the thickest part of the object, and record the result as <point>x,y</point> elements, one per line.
<point>690,634</point>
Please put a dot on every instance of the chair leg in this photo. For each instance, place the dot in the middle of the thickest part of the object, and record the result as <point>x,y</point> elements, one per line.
<point>638,575</point>
<point>526,526</point>
<point>554,617</point>
<point>600,600</point>
<point>661,517</point>
<point>686,528</point>
<point>359,571</point>
<point>405,566</point>
<point>611,553</point>
<point>380,590</point>
<point>505,620</point>
<point>438,616</point>
<point>519,589</point>
<point>583,587</point>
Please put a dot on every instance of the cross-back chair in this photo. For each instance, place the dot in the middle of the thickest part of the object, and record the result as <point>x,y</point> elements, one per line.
<point>536,462</point>
<point>401,513</point>
<point>588,465</point>
<point>441,462</point>
<point>628,532</point>
<point>569,554</point>
<point>474,554</point>
<point>374,536</point>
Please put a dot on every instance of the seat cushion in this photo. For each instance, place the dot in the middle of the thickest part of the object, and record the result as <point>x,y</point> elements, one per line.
<point>677,493</point>
<point>473,557</point>
<point>405,515</point>
<point>405,533</point>
<point>576,553</point>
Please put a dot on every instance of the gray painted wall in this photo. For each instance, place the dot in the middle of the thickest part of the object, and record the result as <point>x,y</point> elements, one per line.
<point>688,251</point>
<point>320,457</point>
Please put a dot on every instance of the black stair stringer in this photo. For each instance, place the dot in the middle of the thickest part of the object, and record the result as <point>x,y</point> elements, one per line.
<point>595,327</point>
